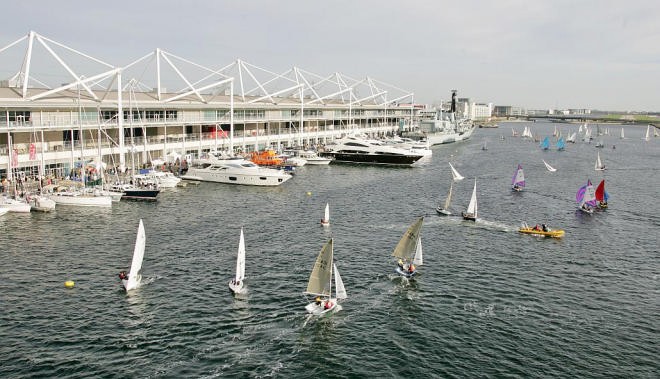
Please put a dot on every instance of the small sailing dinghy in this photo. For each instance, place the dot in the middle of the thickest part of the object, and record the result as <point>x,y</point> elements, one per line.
<point>545,145</point>
<point>599,166</point>
<point>455,175</point>
<point>561,144</point>
<point>622,134</point>
<point>132,280</point>
<point>471,213</point>
<point>647,137</point>
<point>409,250</point>
<point>518,181</point>
<point>325,221</point>
<point>320,284</point>
<point>586,198</point>
<point>550,168</point>
<point>601,195</point>
<point>484,146</point>
<point>236,284</point>
<point>445,209</point>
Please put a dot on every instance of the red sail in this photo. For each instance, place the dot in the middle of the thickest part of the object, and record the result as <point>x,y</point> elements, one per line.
<point>600,191</point>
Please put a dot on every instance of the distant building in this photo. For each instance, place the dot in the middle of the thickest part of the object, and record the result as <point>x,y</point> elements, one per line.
<point>579,111</point>
<point>481,111</point>
<point>507,111</point>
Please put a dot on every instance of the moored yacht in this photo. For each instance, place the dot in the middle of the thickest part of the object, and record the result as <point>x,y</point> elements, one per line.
<point>221,168</point>
<point>311,157</point>
<point>358,150</point>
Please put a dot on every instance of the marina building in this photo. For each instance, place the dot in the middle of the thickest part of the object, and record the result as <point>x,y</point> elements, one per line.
<point>60,108</point>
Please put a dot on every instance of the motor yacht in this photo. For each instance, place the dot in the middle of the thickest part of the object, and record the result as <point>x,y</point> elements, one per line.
<point>222,168</point>
<point>359,150</point>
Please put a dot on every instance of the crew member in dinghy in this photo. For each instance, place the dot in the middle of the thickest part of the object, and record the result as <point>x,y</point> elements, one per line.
<point>123,275</point>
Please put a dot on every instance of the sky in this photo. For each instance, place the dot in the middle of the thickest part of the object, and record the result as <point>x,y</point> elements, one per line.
<point>535,54</point>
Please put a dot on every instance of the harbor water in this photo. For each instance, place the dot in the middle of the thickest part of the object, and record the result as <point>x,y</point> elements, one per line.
<point>489,302</point>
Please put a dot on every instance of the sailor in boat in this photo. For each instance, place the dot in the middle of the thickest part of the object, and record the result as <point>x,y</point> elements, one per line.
<point>545,228</point>
<point>123,275</point>
<point>411,269</point>
<point>328,304</point>
<point>400,263</point>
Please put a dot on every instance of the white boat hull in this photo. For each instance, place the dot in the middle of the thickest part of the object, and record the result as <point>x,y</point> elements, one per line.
<point>263,177</point>
<point>81,200</point>
<point>319,310</point>
<point>236,288</point>
<point>15,206</point>
<point>41,203</point>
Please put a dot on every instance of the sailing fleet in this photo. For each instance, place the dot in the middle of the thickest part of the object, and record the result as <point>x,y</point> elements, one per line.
<point>325,288</point>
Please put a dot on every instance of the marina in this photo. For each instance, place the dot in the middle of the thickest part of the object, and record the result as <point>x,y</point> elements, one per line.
<point>488,299</point>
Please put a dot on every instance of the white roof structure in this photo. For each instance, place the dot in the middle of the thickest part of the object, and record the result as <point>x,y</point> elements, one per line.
<point>52,70</point>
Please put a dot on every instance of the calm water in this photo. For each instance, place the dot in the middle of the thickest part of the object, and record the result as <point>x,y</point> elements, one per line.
<point>490,302</point>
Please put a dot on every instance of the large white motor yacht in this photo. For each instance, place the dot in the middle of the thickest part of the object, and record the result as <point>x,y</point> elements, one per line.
<point>358,150</point>
<point>221,168</point>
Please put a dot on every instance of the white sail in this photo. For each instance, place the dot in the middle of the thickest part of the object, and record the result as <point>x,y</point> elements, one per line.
<point>240,259</point>
<point>648,133</point>
<point>472,207</point>
<point>326,215</point>
<point>418,259</point>
<point>320,280</point>
<point>655,132</point>
<point>550,168</point>
<point>599,164</point>
<point>622,136</point>
<point>135,275</point>
<point>407,246</point>
<point>339,285</point>
<point>457,177</point>
<point>448,200</point>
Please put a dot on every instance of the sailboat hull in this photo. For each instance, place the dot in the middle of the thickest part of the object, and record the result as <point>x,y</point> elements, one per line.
<point>405,273</point>
<point>236,288</point>
<point>443,211</point>
<point>469,217</point>
<point>320,310</point>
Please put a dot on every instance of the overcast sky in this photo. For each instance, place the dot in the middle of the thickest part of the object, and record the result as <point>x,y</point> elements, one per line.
<point>536,54</point>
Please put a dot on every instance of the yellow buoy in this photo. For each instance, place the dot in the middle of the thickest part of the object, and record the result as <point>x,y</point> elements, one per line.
<point>69,284</point>
<point>309,194</point>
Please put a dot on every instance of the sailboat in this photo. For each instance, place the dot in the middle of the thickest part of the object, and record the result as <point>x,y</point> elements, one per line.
<point>471,213</point>
<point>409,250</point>
<point>622,134</point>
<point>599,166</point>
<point>484,146</point>
<point>518,181</point>
<point>236,284</point>
<point>545,145</point>
<point>132,280</point>
<point>445,209</point>
<point>601,195</point>
<point>455,175</point>
<point>561,144</point>
<point>320,283</point>
<point>647,137</point>
<point>550,168</point>
<point>325,221</point>
<point>571,137</point>
<point>586,198</point>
